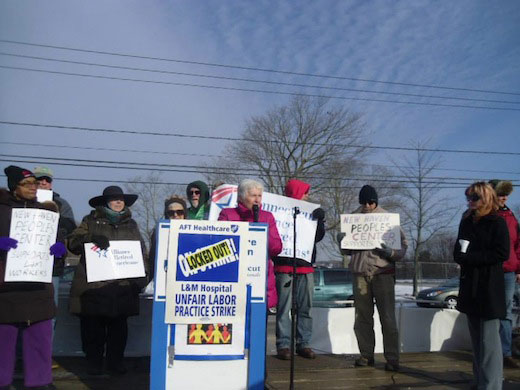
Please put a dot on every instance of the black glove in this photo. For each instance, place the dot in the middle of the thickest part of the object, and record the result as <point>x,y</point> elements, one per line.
<point>340,236</point>
<point>318,213</point>
<point>136,289</point>
<point>461,258</point>
<point>100,241</point>
<point>384,252</point>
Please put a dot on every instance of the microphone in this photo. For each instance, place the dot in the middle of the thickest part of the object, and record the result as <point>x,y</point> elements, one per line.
<point>256,210</point>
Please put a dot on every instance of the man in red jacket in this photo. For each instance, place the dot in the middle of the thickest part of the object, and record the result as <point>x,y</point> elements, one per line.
<point>511,268</point>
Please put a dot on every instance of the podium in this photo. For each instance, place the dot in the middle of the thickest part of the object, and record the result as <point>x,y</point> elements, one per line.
<point>210,305</point>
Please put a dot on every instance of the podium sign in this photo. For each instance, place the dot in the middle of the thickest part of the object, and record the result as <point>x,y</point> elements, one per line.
<point>209,305</point>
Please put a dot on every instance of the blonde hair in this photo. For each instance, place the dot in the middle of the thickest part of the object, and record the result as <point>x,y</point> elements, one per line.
<point>488,198</point>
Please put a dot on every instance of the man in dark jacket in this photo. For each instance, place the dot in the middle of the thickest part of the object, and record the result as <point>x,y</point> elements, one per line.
<point>26,307</point>
<point>304,279</point>
<point>511,268</point>
<point>198,196</point>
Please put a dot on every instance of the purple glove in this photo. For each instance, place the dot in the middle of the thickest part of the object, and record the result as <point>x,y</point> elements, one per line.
<point>58,249</point>
<point>7,243</point>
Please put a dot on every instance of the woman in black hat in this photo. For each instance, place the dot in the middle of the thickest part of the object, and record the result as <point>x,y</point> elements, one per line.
<point>104,306</point>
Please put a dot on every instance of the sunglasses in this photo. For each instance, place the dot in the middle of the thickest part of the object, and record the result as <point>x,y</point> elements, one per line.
<point>173,213</point>
<point>195,192</point>
<point>474,197</point>
<point>370,202</point>
<point>46,178</point>
<point>28,184</point>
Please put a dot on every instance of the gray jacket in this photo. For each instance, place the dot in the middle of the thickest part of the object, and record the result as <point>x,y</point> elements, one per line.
<point>368,262</point>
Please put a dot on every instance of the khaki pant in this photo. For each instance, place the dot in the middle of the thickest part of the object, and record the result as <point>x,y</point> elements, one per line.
<point>381,288</point>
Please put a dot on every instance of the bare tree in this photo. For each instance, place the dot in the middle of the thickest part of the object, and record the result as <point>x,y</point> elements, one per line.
<point>306,139</point>
<point>149,207</point>
<point>440,246</point>
<point>426,212</point>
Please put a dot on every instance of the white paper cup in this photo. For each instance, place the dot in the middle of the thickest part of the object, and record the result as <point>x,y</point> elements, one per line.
<point>463,245</point>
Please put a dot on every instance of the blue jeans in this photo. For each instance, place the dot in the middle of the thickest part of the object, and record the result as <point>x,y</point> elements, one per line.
<point>487,357</point>
<point>506,328</point>
<point>304,290</point>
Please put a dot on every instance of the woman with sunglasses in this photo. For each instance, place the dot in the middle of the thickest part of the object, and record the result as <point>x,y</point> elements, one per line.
<point>482,246</point>
<point>174,208</point>
<point>198,196</point>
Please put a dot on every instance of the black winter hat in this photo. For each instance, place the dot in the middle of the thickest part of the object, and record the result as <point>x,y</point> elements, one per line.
<point>15,175</point>
<point>367,195</point>
<point>112,192</point>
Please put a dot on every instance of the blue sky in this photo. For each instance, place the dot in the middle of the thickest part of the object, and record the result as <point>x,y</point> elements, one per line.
<point>464,44</point>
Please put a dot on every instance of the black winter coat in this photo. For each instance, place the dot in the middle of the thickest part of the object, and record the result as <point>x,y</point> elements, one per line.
<point>111,298</point>
<point>21,302</point>
<point>481,291</point>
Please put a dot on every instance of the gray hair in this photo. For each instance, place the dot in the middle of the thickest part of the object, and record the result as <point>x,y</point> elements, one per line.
<point>247,185</point>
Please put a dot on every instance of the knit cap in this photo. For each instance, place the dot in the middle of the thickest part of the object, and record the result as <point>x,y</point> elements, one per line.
<point>15,175</point>
<point>367,195</point>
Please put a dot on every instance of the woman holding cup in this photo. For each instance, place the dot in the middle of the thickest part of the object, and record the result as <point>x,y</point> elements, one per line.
<point>482,246</point>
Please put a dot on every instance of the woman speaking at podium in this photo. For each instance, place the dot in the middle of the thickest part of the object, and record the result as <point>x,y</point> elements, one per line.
<point>249,209</point>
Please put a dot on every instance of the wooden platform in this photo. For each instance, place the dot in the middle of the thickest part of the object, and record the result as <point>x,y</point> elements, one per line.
<point>435,370</point>
<point>430,371</point>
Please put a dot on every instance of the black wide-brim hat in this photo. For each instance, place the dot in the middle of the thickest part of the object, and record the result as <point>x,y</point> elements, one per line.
<point>112,192</point>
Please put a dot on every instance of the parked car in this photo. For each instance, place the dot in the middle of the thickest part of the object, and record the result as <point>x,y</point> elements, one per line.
<point>331,285</point>
<point>444,295</point>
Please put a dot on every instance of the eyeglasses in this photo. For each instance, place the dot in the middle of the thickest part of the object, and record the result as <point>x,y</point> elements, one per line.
<point>29,184</point>
<point>46,178</point>
<point>474,197</point>
<point>195,192</point>
<point>173,213</point>
<point>370,202</point>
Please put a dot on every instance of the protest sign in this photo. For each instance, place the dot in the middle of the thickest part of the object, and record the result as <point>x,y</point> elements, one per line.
<point>35,230</point>
<point>44,195</point>
<point>206,272</point>
<point>121,260</point>
<point>282,209</point>
<point>369,231</point>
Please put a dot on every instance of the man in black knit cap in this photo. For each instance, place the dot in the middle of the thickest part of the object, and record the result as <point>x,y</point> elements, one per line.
<point>374,279</point>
